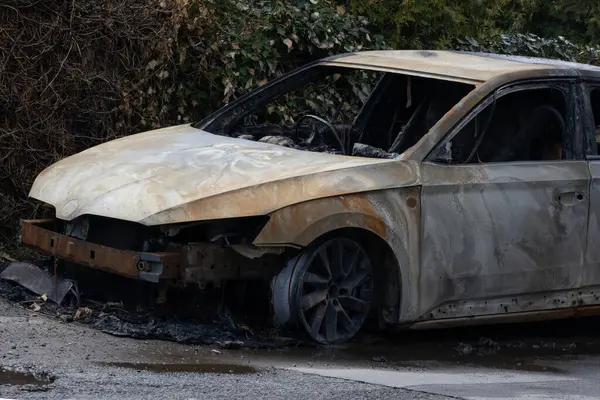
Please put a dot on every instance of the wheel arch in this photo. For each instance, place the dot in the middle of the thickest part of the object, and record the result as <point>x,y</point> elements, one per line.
<point>386,223</point>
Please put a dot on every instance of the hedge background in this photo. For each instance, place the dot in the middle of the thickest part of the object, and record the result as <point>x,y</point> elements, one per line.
<point>75,73</point>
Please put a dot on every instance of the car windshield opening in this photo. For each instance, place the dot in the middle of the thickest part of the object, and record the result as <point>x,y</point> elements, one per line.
<point>342,111</point>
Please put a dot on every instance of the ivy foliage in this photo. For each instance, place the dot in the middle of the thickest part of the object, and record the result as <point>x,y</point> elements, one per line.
<point>532,45</point>
<point>439,23</point>
<point>432,24</point>
<point>225,48</point>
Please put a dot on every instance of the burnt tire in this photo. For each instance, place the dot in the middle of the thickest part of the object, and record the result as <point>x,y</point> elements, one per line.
<point>331,287</point>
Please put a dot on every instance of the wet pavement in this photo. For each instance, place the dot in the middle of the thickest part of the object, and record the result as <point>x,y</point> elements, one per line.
<point>87,363</point>
<point>201,368</point>
<point>23,378</point>
<point>45,357</point>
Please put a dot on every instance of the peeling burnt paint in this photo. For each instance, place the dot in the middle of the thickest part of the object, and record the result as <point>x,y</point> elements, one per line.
<point>150,178</point>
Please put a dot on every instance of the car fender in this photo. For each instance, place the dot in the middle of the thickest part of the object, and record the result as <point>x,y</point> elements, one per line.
<point>393,215</point>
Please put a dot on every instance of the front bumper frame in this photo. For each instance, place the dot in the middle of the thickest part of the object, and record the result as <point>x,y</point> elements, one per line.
<point>150,267</point>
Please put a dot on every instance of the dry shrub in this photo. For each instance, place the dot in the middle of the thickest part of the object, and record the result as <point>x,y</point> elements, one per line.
<point>66,68</point>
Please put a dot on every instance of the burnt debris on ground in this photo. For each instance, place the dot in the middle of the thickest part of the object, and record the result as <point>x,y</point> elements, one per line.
<point>219,327</point>
<point>216,327</point>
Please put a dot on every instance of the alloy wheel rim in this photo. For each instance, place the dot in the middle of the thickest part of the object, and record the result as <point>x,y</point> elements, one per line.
<point>334,292</point>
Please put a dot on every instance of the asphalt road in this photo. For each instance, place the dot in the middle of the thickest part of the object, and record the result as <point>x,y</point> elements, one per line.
<point>72,360</point>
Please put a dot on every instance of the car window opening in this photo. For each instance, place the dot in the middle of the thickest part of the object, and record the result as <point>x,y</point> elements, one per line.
<point>528,125</point>
<point>343,111</point>
<point>595,102</point>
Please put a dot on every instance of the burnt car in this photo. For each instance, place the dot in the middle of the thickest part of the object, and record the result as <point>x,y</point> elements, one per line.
<point>426,188</point>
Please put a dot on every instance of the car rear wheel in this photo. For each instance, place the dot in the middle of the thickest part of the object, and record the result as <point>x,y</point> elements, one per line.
<point>331,290</point>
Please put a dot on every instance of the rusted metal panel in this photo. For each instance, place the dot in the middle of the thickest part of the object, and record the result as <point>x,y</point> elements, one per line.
<point>516,317</point>
<point>265,198</point>
<point>382,212</point>
<point>235,178</point>
<point>527,307</point>
<point>122,262</point>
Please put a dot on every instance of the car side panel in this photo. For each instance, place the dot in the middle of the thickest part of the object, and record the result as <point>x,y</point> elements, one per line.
<point>493,233</point>
<point>591,270</point>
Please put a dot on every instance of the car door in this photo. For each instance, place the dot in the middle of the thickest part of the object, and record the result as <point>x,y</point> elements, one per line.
<point>504,224</point>
<point>590,123</point>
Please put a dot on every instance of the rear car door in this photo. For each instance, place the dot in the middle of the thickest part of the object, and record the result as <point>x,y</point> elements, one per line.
<point>505,201</point>
<point>589,91</point>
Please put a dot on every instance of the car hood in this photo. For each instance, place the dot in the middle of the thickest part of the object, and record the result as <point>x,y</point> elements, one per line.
<point>183,174</point>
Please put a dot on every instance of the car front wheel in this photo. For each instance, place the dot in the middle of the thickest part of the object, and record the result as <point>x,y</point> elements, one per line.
<point>331,289</point>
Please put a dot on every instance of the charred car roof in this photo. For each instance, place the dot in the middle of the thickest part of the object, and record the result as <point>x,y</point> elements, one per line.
<point>453,65</point>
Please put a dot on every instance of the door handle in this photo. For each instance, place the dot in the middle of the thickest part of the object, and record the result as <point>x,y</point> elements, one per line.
<point>569,198</point>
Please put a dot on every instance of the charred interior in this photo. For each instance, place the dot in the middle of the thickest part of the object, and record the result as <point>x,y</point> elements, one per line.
<point>523,125</point>
<point>595,104</point>
<point>341,111</point>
